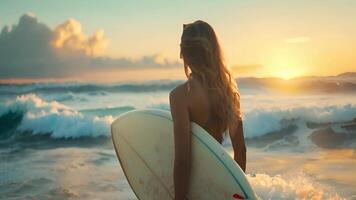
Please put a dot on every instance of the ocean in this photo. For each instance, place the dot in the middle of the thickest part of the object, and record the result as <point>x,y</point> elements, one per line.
<point>55,137</point>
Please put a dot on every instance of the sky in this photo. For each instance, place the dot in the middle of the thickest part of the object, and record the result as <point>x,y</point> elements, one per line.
<point>117,40</point>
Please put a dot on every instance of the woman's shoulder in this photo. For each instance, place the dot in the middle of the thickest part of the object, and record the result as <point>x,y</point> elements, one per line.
<point>190,90</point>
<point>179,92</point>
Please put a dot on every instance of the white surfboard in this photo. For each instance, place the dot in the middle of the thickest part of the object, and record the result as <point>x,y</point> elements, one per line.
<point>144,144</point>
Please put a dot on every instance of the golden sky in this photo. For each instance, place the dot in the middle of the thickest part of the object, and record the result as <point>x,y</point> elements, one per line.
<point>260,38</point>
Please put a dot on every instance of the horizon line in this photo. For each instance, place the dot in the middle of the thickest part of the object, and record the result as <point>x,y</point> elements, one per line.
<point>76,80</point>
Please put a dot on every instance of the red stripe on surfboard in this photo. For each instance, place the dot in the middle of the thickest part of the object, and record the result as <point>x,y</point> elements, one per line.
<point>237,196</point>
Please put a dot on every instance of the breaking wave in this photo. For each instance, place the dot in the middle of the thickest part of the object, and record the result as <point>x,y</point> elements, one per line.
<point>29,113</point>
<point>274,119</point>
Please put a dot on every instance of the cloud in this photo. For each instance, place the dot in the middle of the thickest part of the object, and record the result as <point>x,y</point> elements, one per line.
<point>301,39</point>
<point>144,62</point>
<point>69,36</point>
<point>24,48</point>
<point>30,49</point>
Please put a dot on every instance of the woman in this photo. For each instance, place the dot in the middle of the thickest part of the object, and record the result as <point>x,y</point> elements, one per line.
<point>209,98</point>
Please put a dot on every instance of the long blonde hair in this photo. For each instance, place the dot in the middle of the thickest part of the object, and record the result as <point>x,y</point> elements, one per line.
<point>202,56</point>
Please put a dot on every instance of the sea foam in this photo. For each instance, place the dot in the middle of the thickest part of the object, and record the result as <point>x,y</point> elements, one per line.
<point>296,186</point>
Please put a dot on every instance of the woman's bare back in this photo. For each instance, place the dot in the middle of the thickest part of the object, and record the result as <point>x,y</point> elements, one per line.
<point>200,108</point>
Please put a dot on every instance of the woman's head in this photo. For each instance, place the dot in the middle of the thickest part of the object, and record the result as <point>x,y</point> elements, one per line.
<point>199,46</point>
<point>202,56</point>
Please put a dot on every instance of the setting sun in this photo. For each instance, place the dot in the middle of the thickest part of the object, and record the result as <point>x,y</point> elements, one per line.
<point>287,71</point>
<point>286,64</point>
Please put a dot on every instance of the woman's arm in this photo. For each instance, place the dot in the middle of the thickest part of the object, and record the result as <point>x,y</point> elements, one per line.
<point>238,144</point>
<point>182,142</point>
